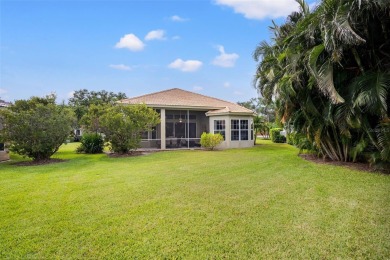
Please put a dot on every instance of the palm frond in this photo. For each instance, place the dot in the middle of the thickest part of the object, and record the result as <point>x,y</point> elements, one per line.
<point>373,94</point>
<point>326,84</point>
<point>313,58</point>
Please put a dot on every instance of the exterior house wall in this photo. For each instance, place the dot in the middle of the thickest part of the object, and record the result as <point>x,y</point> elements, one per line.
<point>229,143</point>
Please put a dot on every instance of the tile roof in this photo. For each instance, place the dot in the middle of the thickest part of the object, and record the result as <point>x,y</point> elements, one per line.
<point>178,98</point>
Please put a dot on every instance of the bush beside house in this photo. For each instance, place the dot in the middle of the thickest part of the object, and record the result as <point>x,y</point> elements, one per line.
<point>123,126</point>
<point>210,141</point>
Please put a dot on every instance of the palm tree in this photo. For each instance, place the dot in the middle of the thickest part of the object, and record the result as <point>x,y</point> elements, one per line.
<point>328,71</point>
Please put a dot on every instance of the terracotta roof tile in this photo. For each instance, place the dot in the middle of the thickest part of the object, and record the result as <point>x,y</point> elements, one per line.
<point>185,99</point>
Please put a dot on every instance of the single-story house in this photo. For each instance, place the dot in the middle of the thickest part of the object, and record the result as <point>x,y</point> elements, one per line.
<point>186,115</point>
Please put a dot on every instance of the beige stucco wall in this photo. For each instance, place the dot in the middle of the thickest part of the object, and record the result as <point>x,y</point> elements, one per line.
<point>228,143</point>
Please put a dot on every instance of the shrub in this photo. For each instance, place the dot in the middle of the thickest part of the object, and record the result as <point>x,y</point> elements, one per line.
<point>275,135</point>
<point>210,141</point>
<point>291,138</point>
<point>123,125</point>
<point>91,143</point>
<point>37,127</point>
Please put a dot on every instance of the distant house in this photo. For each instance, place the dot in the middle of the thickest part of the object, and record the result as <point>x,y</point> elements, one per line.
<point>4,155</point>
<point>186,115</point>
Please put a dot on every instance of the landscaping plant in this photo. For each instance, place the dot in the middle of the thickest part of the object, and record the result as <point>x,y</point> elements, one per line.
<point>91,143</point>
<point>123,125</point>
<point>275,135</point>
<point>210,140</point>
<point>327,69</point>
<point>36,128</point>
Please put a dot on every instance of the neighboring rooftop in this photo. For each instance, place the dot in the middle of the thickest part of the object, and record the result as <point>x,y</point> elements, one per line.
<point>182,99</point>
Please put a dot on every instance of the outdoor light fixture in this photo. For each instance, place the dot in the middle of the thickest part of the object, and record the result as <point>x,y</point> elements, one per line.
<point>180,120</point>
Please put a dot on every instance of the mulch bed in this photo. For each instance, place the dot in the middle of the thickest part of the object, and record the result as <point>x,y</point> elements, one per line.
<point>43,162</point>
<point>351,165</point>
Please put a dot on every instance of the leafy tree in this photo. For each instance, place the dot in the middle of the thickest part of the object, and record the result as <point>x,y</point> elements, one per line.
<point>328,72</point>
<point>37,127</point>
<point>261,126</point>
<point>92,118</point>
<point>82,99</point>
<point>263,107</point>
<point>123,125</point>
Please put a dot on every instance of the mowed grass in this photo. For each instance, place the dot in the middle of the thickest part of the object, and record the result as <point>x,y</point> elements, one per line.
<point>262,202</point>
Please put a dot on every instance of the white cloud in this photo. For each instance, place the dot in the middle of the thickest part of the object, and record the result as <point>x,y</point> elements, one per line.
<point>155,35</point>
<point>3,91</point>
<point>226,60</point>
<point>131,42</point>
<point>177,18</point>
<point>226,84</point>
<point>197,88</point>
<point>120,67</point>
<point>176,37</point>
<point>186,66</point>
<point>261,9</point>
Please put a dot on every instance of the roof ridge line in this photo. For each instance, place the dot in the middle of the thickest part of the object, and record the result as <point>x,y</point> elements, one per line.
<point>158,92</point>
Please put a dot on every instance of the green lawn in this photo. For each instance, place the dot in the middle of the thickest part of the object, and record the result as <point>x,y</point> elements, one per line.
<point>263,202</point>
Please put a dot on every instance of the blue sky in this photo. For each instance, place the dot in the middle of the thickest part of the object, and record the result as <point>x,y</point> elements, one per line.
<point>133,46</point>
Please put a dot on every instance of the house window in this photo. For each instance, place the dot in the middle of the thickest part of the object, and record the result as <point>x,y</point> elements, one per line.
<point>251,130</point>
<point>235,126</point>
<point>219,127</point>
<point>1,147</point>
<point>244,129</point>
<point>239,130</point>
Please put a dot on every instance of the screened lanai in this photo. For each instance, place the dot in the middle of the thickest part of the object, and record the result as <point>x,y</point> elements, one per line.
<point>183,129</point>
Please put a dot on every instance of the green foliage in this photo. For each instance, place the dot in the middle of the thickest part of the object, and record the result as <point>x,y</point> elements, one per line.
<point>91,119</point>
<point>82,99</point>
<point>329,77</point>
<point>300,141</point>
<point>295,138</point>
<point>263,107</point>
<point>261,126</point>
<point>91,143</point>
<point>275,135</point>
<point>123,125</point>
<point>210,140</point>
<point>290,138</point>
<point>37,127</point>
